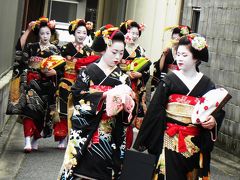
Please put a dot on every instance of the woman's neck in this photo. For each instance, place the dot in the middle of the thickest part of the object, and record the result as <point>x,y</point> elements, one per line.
<point>44,44</point>
<point>78,43</point>
<point>104,66</point>
<point>191,73</point>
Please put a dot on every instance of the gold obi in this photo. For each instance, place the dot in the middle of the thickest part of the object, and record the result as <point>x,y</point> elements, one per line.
<point>70,67</point>
<point>35,62</point>
<point>180,112</point>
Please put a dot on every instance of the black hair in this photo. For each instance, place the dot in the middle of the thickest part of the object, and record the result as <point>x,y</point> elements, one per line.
<point>42,24</point>
<point>124,29</point>
<point>99,44</point>
<point>177,30</point>
<point>80,23</point>
<point>200,55</point>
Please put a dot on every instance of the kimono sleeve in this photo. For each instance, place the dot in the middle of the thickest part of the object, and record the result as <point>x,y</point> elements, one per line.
<point>150,135</point>
<point>82,96</point>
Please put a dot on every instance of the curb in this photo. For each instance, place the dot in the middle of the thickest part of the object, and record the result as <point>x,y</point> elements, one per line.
<point>6,133</point>
<point>225,164</point>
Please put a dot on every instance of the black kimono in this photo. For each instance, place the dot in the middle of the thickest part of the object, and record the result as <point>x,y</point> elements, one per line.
<point>96,142</point>
<point>37,91</point>
<point>183,148</point>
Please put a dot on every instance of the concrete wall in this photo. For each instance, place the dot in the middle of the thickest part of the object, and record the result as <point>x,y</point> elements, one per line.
<point>10,19</point>
<point>156,14</point>
<point>219,21</point>
<point>110,12</point>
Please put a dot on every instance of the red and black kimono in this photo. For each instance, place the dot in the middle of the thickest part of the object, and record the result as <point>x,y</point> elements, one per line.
<point>182,147</point>
<point>97,142</point>
<point>74,61</point>
<point>37,90</point>
<point>139,87</point>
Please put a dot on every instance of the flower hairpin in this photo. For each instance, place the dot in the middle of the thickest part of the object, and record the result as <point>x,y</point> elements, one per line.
<point>75,23</point>
<point>184,30</point>
<point>106,34</point>
<point>199,43</point>
<point>36,24</point>
<point>142,27</point>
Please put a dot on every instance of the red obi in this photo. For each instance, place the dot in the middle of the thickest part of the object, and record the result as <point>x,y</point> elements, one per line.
<point>70,76</point>
<point>184,99</point>
<point>182,131</point>
<point>33,75</point>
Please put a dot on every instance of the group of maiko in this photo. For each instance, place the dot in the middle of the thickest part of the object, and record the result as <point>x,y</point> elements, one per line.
<point>93,103</point>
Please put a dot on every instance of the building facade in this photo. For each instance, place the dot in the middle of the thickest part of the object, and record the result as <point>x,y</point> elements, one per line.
<point>219,21</point>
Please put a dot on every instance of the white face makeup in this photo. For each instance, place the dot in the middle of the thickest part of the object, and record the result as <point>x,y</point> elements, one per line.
<point>44,35</point>
<point>80,34</point>
<point>114,53</point>
<point>184,58</point>
<point>134,33</point>
<point>176,36</point>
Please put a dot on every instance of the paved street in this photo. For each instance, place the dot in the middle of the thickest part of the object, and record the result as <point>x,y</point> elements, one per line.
<point>45,163</point>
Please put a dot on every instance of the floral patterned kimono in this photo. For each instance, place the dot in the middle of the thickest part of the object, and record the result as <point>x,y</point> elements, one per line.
<point>139,87</point>
<point>96,142</point>
<point>37,90</point>
<point>72,56</point>
<point>167,130</point>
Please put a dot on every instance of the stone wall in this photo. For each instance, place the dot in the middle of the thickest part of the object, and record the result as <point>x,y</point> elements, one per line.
<point>220,22</point>
<point>11,16</point>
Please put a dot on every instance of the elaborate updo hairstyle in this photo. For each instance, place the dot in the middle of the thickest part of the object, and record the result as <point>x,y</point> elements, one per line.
<point>181,30</point>
<point>197,45</point>
<point>42,22</point>
<point>126,25</point>
<point>105,36</point>
<point>75,24</point>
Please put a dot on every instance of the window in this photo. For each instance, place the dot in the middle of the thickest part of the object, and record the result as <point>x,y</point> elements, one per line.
<point>195,18</point>
<point>63,11</point>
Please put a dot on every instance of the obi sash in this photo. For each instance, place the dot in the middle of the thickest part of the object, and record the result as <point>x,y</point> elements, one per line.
<point>180,107</point>
<point>35,62</point>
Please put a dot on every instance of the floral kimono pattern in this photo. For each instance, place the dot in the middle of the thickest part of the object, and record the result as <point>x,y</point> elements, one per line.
<point>167,130</point>
<point>97,142</point>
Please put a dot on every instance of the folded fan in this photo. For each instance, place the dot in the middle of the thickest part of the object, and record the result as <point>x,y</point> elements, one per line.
<point>210,103</point>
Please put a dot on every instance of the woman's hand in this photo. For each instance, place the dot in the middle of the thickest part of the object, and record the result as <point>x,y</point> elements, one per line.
<point>30,25</point>
<point>134,75</point>
<point>209,123</point>
<point>48,73</point>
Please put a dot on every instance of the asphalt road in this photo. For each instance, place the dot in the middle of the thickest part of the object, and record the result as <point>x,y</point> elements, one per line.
<point>45,163</point>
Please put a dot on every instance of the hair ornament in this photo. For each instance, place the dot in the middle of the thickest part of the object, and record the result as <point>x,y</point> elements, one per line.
<point>142,27</point>
<point>198,42</point>
<point>51,24</point>
<point>75,23</point>
<point>184,30</point>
